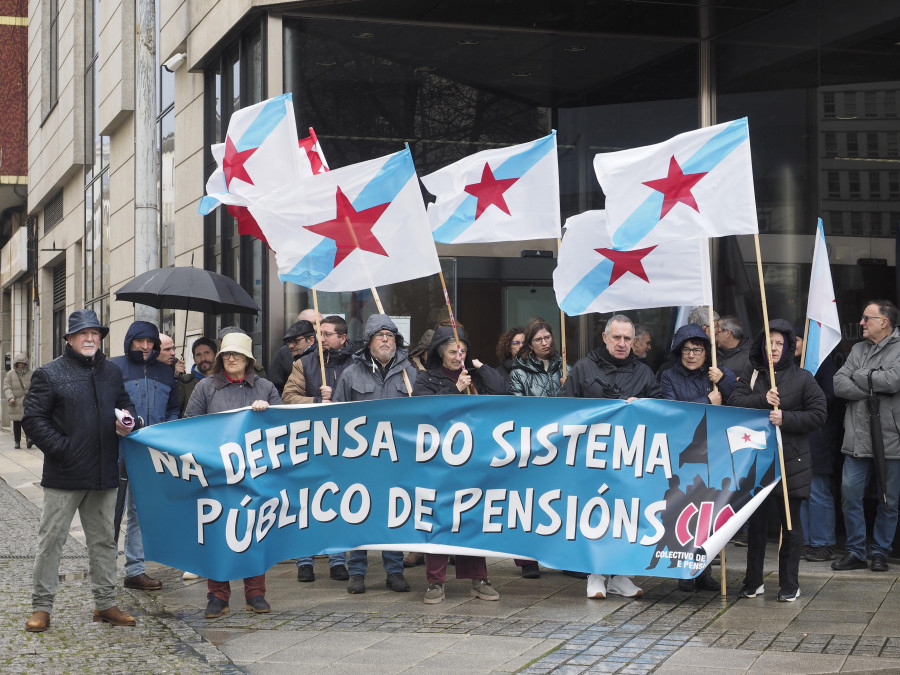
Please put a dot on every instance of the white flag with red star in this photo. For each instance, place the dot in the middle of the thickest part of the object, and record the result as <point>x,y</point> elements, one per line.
<point>356,227</point>
<point>507,194</point>
<point>592,275</point>
<point>697,184</point>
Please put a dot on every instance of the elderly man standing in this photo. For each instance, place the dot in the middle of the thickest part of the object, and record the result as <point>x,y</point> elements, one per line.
<point>70,413</point>
<point>875,363</point>
<point>612,371</point>
<point>734,346</point>
<point>151,384</point>
<point>642,342</point>
<point>380,369</point>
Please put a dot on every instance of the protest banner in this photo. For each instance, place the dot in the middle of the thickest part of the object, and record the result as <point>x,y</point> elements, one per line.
<point>582,484</point>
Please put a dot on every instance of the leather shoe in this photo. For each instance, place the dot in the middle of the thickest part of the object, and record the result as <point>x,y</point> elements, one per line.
<point>38,623</point>
<point>849,562</point>
<point>114,616</point>
<point>143,583</point>
<point>879,563</point>
<point>413,559</point>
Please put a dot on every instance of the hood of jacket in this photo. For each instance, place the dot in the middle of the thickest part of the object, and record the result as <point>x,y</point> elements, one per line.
<point>689,332</point>
<point>758,351</point>
<point>441,335</point>
<point>379,322</point>
<point>137,330</point>
<point>20,358</point>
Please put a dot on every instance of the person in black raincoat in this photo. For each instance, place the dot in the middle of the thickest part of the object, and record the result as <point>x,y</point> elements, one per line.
<point>801,409</point>
<point>438,378</point>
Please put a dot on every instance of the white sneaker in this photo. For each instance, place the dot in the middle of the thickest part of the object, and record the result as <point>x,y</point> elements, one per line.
<point>188,576</point>
<point>624,586</point>
<point>596,586</point>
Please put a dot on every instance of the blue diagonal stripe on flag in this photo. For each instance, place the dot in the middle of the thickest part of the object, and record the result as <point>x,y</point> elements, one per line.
<point>585,291</point>
<point>646,216</point>
<point>315,265</point>
<point>513,167</point>
<point>207,204</point>
<point>269,117</point>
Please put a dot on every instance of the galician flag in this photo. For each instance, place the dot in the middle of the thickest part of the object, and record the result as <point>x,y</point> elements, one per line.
<point>824,332</point>
<point>740,438</point>
<point>508,194</point>
<point>260,154</point>
<point>592,275</point>
<point>697,184</point>
<point>356,227</point>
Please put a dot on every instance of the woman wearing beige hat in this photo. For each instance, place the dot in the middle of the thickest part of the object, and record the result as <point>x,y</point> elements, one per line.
<point>234,384</point>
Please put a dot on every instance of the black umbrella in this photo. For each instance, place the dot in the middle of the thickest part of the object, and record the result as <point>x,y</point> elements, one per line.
<point>874,407</point>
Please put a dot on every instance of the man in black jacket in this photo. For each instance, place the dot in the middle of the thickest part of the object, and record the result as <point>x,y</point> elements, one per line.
<point>70,413</point>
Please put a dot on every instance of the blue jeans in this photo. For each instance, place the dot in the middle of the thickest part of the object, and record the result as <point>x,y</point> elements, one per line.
<point>853,486</point>
<point>818,530</point>
<point>334,559</point>
<point>134,540</point>
<point>359,562</point>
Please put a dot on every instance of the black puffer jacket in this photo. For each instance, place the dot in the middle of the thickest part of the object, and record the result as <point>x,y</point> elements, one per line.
<point>70,415</point>
<point>600,375</point>
<point>802,403</point>
<point>433,380</point>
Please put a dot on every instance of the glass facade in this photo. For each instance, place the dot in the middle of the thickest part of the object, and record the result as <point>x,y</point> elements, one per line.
<point>818,80</point>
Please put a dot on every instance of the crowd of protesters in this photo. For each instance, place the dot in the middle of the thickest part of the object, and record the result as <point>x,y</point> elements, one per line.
<point>318,364</point>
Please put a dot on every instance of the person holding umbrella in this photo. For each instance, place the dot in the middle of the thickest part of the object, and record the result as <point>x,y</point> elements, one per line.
<point>233,385</point>
<point>870,382</point>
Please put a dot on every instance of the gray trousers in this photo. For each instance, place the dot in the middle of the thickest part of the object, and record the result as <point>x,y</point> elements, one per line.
<point>95,508</point>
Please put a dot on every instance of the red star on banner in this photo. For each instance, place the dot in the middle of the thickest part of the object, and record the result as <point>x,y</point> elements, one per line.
<point>746,438</point>
<point>676,187</point>
<point>490,191</point>
<point>233,163</point>
<point>351,229</point>
<point>626,261</point>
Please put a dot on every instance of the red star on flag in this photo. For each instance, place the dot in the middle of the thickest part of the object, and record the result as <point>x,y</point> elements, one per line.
<point>233,163</point>
<point>626,261</point>
<point>746,438</point>
<point>676,187</point>
<point>351,229</point>
<point>490,191</point>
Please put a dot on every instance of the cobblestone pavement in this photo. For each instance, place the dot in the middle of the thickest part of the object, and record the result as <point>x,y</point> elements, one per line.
<point>847,622</point>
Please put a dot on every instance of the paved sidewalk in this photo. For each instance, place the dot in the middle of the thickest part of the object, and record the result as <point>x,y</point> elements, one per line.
<point>848,622</point>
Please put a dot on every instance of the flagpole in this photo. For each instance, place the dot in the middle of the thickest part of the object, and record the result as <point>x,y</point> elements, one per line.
<point>562,326</point>
<point>452,319</point>
<point>768,343</point>
<point>319,336</point>
<point>805,342</point>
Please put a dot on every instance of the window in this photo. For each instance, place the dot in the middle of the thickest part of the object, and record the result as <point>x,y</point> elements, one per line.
<point>856,224</point>
<point>834,185</point>
<point>53,212</point>
<point>870,104</point>
<point>871,145</point>
<point>828,107</point>
<point>892,146</point>
<point>830,145</point>
<point>59,308</point>
<point>53,67</point>
<point>893,184</point>
<point>853,188</point>
<point>874,185</point>
<point>836,218</point>
<point>852,145</point>
<point>890,103</point>
<point>850,104</point>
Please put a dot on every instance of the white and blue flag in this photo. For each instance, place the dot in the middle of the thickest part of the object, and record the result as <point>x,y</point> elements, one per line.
<point>824,331</point>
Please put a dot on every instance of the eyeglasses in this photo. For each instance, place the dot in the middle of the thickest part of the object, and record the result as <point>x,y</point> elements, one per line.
<point>330,335</point>
<point>865,318</point>
<point>384,335</point>
<point>696,351</point>
<point>290,342</point>
<point>542,340</point>
<point>232,356</point>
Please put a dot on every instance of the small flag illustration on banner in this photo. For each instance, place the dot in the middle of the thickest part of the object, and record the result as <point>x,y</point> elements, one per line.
<point>592,275</point>
<point>740,438</point>
<point>356,227</point>
<point>507,194</point>
<point>824,332</point>
<point>697,184</point>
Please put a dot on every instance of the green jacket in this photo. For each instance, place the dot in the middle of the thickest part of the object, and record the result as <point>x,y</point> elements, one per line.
<point>528,377</point>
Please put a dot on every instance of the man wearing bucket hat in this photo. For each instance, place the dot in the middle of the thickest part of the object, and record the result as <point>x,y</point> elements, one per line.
<point>70,414</point>
<point>233,384</point>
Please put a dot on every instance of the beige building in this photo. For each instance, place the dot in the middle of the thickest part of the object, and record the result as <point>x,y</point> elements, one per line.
<point>118,149</point>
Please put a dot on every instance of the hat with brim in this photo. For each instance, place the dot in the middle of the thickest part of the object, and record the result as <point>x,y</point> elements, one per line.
<point>81,319</point>
<point>239,343</point>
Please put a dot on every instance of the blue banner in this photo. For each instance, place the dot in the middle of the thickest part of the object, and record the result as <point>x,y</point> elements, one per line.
<point>648,487</point>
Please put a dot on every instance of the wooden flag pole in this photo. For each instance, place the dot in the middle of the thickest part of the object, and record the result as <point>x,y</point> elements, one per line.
<point>712,350</point>
<point>562,327</point>
<point>319,335</point>
<point>805,341</point>
<point>452,320</point>
<point>724,581</point>
<point>768,343</point>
